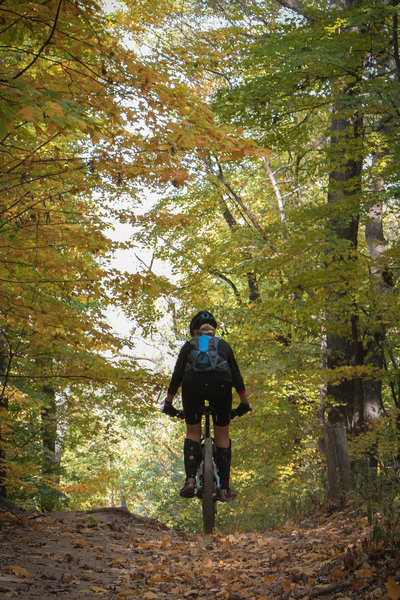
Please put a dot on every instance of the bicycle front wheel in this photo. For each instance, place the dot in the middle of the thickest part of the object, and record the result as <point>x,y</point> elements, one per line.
<point>209,499</point>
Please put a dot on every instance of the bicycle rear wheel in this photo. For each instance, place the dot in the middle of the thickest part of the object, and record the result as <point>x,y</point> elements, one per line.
<point>209,499</point>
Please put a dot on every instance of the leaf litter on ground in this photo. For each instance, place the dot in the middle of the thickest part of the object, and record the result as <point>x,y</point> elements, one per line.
<point>113,554</point>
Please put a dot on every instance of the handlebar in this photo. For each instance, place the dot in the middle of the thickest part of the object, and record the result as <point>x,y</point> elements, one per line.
<point>180,414</point>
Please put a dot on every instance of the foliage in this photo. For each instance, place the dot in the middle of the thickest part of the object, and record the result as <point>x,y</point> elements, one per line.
<point>379,492</point>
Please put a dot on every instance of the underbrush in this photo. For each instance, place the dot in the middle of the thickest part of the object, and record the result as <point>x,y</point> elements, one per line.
<point>379,492</point>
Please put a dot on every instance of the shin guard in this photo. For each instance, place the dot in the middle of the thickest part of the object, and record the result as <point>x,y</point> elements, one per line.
<point>223,461</point>
<point>191,453</point>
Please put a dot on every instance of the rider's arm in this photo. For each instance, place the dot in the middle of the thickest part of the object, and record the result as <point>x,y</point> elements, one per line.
<point>237,379</point>
<point>179,368</point>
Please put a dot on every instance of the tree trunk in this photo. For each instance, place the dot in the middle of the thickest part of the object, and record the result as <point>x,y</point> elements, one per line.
<point>380,282</point>
<point>337,460</point>
<point>49,438</point>
<point>3,411</point>
<point>343,346</point>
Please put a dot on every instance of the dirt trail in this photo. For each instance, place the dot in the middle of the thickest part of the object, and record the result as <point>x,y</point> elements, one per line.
<point>113,554</point>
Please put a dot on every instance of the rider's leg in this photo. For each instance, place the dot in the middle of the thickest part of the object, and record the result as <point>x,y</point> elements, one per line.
<point>192,454</point>
<point>221,436</point>
<point>222,442</point>
<point>193,432</point>
<point>223,457</point>
<point>192,449</point>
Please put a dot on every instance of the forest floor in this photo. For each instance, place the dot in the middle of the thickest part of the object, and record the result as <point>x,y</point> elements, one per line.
<point>112,554</point>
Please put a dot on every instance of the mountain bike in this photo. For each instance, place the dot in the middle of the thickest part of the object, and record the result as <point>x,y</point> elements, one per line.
<point>207,480</point>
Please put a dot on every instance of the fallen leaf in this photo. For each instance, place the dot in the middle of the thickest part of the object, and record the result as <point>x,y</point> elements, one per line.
<point>158,578</point>
<point>338,574</point>
<point>98,590</point>
<point>366,572</point>
<point>288,585</point>
<point>150,596</point>
<point>392,588</point>
<point>356,584</point>
<point>79,543</point>
<point>19,571</point>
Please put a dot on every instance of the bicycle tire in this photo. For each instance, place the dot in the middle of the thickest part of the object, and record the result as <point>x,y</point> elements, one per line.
<point>209,500</point>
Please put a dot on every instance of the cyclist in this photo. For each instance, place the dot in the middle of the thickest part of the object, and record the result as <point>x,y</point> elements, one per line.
<point>216,387</point>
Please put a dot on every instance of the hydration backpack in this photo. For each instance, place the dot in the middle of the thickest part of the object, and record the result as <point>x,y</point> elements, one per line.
<point>204,357</point>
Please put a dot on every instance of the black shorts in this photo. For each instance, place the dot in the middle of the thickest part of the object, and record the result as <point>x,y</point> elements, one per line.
<point>218,394</point>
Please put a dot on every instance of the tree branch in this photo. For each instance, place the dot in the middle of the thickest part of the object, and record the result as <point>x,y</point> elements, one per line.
<point>225,278</point>
<point>239,200</point>
<point>298,7</point>
<point>46,43</point>
<point>278,196</point>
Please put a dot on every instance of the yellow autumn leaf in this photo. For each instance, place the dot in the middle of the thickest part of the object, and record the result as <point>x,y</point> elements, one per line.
<point>392,588</point>
<point>29,113</point>
<point>98,590</point>
<point>19,571</point>
<point>54,109</point>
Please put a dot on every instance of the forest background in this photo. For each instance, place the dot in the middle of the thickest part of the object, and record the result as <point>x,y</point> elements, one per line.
<point>267,134</point>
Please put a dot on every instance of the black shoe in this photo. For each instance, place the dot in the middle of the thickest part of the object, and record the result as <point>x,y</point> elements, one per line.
<point>189,488</point>
<point>227,495</point>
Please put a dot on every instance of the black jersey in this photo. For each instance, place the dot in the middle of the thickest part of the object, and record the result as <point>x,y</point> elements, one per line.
<point>180,375</point>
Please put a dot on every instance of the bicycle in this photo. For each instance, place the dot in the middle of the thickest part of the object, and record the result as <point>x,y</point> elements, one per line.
<point>207,480</point>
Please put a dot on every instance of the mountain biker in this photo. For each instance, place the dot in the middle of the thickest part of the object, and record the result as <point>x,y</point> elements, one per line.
<point>216,387</point>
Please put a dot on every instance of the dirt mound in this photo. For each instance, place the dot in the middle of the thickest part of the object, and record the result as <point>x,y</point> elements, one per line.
<point>7,505</point>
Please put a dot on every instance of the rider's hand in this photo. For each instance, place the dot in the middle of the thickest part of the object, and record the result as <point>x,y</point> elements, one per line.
<point>169,410</point>
<point>242,409</point>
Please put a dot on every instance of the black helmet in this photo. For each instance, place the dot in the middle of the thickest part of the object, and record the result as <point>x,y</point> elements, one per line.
<point>202,317</point>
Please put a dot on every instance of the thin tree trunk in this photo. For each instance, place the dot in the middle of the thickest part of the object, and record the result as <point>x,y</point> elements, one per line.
<point>254,293</point>
<point>3,411</point>
<point>380,282</point>
<point>49,438</point>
